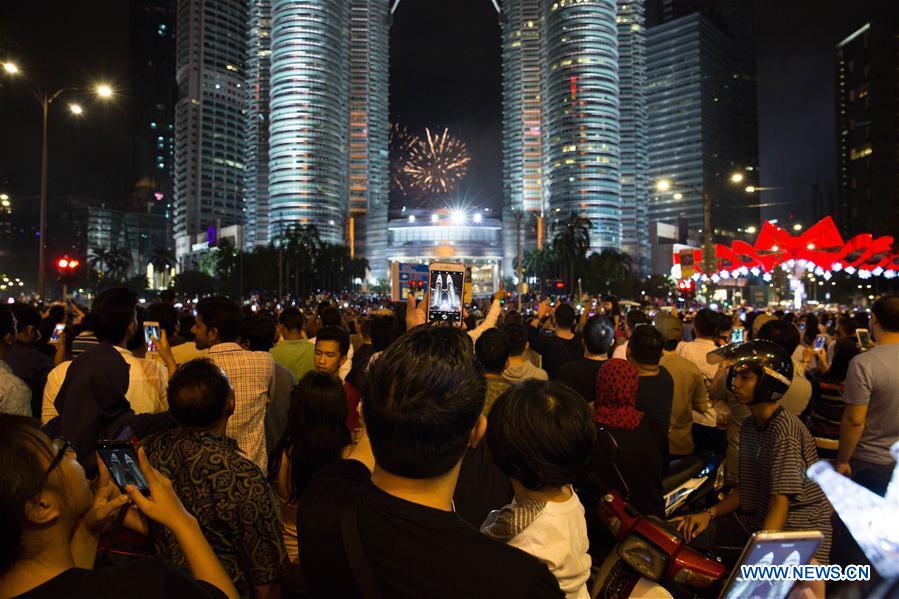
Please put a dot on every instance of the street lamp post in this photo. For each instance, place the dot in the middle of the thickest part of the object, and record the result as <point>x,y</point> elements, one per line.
<point>45,99</point>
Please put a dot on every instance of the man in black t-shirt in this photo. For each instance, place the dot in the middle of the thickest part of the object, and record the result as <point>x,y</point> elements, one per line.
<point>562,345</point>
<point>581,374</point>
<point>655,392</point>
<point>382,523</point>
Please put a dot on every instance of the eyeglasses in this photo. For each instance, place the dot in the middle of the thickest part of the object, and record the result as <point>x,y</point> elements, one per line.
<point>62,447</point>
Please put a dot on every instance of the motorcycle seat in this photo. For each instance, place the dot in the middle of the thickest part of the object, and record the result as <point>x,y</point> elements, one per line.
<point>681,470</point>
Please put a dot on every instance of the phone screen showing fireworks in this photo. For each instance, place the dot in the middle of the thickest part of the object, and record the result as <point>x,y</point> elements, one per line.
<point>445,301</point>
<point>820,340</point>
<point>771,549</point>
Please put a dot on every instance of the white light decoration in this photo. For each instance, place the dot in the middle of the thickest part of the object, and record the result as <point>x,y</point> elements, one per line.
<point>715,278</point>
<point>755,271</point>
<point>784,267</point>
<point>864,274</point>
<point>826,276</point>
<point>819,271</point>
<point>889,274</point>
<point>849,270</point>
<point>836,267</point>
<point>766,277</point>
<point>725,274</point>
<point>695,276</point>
<point>877,271</point>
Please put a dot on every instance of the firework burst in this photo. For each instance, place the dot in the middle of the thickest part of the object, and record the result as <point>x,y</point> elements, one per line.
<point>400,144</point>
<point>437,163</point>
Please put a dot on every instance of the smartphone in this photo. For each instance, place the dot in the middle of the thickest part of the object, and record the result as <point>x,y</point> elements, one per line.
<point>151,331</point>
<point>57,331</point>
<point>802,326</point>
<point>742,316</point>
<point>820,340</point>
<point>446,281</point>
<point>738,335</point>
<point>121,461</point>
<point>864,339</point>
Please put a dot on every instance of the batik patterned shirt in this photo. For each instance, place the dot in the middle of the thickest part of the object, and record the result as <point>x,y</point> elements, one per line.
<point>231,499</point>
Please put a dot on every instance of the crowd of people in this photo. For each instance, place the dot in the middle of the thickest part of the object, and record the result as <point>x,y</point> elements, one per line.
<point>323,450</point>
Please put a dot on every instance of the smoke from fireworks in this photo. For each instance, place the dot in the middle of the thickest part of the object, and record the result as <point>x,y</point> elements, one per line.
<point>400,143</point>
<point>436,163</point>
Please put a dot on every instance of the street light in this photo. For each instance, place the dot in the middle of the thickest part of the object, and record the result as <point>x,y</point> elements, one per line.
<point>736,178</point>
<point>678,196</point>
<point>45,99</point>
<point>663,185</point>
<point>751,230</point>
<point>797,227</point>
<point>750,189</point>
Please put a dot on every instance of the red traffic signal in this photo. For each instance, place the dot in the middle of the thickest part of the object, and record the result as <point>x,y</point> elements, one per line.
<point>560,285</point>
<point>66,266</point>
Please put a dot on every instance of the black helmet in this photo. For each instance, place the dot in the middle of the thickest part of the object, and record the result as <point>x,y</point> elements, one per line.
<point>770,362</point>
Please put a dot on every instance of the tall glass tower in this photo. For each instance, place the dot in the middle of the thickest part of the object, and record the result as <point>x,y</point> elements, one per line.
<point>522,121</point>
<point>581,116</point>
<point>308,154</point>
<point>634,158</point>
<point>259,50</point>
<point>209,118</point>
<point>368,125</point>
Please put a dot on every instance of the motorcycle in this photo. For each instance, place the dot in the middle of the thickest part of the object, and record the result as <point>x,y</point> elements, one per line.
<point>650,557</point>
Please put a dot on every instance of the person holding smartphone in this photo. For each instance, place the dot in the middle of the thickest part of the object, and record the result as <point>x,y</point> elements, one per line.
<point>45,496</point>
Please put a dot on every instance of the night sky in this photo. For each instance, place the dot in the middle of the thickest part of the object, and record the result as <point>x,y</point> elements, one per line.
<point>445,72</point>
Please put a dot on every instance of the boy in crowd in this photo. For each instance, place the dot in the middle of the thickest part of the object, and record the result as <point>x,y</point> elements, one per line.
<point>492,351</point>
<point>598,338</point>
<point>520,367</point>
<point>541,436</point>
<point>332,346</point>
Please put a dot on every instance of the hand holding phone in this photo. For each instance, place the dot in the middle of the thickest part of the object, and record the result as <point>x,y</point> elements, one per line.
<point>820,340</point>
<point>738,335</point>
<point>121,461</point>
<point>446,282</point>
<point>151,335</point>
<point>864,339</point>
<point>57,331</point>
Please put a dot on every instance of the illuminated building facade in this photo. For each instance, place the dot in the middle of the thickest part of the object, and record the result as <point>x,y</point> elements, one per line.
<point>868,125</point>
<point>209,118</point>
<point>308,157</point>
<point>368,125</point>
<point>259,50</point>
<point>634,159</point>
<point>581,135</point>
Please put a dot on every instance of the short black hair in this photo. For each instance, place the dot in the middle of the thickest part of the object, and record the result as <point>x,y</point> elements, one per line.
<point>187,321</point>
<point>725,323</point>
<point>886,309</point>
<point>706,323</point>
<point>382,331</point>
<point>635,317</point>
<point>334,334</point>
<point>330,317</point>
<point>26,315</point>
<point>781,332</point>
<point>599,335</point>
<point>425,394</point>
<point>541,434</point>
<point>645,345</point>
<point>112,313</point>
<point>167,296</point>
<point>166,315</point>
<point>198,394</point>
<point>259,332</point>
<point>564,316</point>
<point>513,317</point>
<point>292,319</point>
<point>517,337</point>
<point>222,314</point>
<point>7,322</point>
<point>492,351</point>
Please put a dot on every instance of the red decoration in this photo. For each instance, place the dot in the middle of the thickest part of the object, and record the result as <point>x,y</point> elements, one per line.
<point>820,246</point>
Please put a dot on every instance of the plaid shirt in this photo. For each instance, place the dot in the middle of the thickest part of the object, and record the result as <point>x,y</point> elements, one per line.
<point>250,374</point>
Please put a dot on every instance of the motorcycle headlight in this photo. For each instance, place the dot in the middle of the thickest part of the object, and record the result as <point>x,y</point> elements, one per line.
<point>643,556</point>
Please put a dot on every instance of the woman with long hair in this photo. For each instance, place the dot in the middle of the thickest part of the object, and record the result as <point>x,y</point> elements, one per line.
<point>316,436</point>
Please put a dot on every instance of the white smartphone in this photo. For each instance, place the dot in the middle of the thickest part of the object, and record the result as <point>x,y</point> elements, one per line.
<point>57,331</point>
<point>151,332</point>
<point>864,339</point>
<point>446,281</point>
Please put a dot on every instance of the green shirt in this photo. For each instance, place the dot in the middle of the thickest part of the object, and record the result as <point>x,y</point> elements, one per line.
<point>297,356</point>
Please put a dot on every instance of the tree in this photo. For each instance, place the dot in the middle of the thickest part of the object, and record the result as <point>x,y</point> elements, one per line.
<point>608,271</point>
<point>301,243</point>
<point>543,264</point>
<point>571,241</point>
<point>194,283</point>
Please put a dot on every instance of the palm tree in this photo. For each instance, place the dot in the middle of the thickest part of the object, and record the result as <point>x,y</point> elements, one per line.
<point>301,242</point>
<point>571,240</point>
<point>97,260</point>
<point>118,261</point>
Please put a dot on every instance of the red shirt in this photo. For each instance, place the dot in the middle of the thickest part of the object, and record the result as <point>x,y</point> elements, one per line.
<point>352,403</point>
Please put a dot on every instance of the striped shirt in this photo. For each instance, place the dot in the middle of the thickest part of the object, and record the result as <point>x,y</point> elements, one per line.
<point>250,374</point>
<point>774,459</point>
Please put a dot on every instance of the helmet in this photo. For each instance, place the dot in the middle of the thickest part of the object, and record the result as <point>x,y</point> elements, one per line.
<point>769,361</point>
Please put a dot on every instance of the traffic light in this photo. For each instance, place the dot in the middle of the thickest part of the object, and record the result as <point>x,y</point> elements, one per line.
<point>67,268</point>
<point>560,285</point>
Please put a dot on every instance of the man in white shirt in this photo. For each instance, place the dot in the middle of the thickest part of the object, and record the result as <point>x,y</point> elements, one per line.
<point>632,320</point>
<point>15,396</point>
<point>251,373</point>
<point>705,330</point>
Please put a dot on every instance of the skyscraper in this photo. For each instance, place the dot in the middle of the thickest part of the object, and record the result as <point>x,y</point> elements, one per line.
<point>308,157</point>
<point>634,160</point>
<point>522,119</point>
<point>209,119</point>
<point>581,136</point>
<point>368,125</point>
<point>868,126</point>
<point>151,84</point>
<point>259,50</point>
<point>691,111</point>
